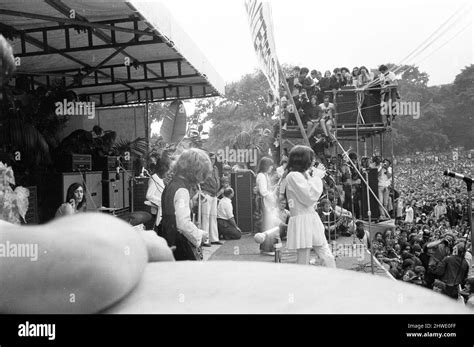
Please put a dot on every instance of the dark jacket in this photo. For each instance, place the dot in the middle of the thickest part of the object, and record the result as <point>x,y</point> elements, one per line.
<point>325,84</point>
<point>169,230</point>
<point>212,184</point>
<point>453,270</point>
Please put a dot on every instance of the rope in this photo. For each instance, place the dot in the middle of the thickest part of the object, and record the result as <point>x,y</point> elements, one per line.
<point>434,33</point>
<point>444,44</point>
<point>413,54</point>
<point>362,178</point>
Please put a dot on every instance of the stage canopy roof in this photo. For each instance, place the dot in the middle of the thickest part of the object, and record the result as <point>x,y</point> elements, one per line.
<point>112,52</point>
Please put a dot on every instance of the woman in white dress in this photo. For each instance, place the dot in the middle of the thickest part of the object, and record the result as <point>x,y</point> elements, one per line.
<point>304,186</point>
<point>264,187</point>
<point>267,197</point>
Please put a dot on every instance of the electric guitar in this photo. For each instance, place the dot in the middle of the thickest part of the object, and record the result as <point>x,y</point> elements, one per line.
<point>197,251</point>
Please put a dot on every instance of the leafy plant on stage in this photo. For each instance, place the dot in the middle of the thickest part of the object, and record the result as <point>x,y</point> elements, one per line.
<point>13,203</point>
<point>136,148</point>
<point>21,143</point>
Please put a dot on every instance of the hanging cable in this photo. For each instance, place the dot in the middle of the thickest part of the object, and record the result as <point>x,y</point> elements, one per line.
<point>445,43</point>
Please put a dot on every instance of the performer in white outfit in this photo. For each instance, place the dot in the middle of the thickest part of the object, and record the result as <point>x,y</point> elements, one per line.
<point>156,185</point>
<point>153,194</point>
<point>267,196</point>
<point>304,186</point>
<point>210,188</point>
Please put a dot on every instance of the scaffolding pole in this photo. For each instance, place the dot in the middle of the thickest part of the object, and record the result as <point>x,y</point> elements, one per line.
<point>298,119</point>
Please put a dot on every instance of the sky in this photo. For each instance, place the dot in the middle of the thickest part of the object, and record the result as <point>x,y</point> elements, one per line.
<point>323,35</point>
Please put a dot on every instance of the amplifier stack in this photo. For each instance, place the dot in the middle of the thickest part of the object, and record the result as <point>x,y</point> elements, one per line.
<point>74,163</point>
<point>138,189</point>
<point>374,206</point>
<point>243,201</point>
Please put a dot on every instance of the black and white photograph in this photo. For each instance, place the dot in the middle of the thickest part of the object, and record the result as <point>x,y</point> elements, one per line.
<point>243,157</point>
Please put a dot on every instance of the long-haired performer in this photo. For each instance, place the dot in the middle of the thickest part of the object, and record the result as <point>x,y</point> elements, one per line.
<point>304,186</point>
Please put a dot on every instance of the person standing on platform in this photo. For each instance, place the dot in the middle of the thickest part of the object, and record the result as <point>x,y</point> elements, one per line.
<point>210,189</point>
<point>304,186</point>
<point>384,182</point>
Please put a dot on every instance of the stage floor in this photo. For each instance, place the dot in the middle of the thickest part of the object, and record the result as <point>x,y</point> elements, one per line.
<point>348,258</point>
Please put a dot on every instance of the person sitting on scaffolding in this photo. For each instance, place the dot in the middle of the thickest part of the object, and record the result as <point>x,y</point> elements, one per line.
<point>305,82</point>
<point>388,82</point>
<point>364,78</point>
<point>293,82</point>
<point>287,113</point>
<point>327,118</point>
<point>313,116</point>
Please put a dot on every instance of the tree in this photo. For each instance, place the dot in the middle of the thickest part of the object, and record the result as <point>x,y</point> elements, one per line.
<point>430,130</point>
<point>243,108</point>
<point>459,102</point>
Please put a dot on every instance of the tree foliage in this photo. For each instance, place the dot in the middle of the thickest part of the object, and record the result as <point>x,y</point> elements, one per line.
<point>243,109</point>
<point>446,118</point>
<point>446,112</point>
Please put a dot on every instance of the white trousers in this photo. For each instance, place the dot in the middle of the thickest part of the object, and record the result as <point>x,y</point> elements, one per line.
<point>209,218</point>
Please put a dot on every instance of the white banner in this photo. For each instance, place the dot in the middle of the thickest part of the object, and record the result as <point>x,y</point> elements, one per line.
<point>261,29</point>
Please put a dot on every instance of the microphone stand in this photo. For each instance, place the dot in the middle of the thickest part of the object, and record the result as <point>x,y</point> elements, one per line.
<point>468,182</point>
<point>469,211</point>
<point>369,214</point>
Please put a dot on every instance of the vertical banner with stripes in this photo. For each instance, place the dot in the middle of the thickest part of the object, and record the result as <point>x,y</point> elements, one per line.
<point>261,29</point>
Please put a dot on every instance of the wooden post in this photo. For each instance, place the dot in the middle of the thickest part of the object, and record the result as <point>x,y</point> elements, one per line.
<point>298,119</point>
<point>147,122</point>
<point>381,144</point>
<point>393,170</point>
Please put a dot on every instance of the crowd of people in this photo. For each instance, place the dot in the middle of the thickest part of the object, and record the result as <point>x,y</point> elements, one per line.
<point>313,97</point>
<point>430,245</point>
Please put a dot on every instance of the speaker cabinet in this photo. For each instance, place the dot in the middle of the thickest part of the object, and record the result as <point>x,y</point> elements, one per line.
<point>93,190</point>
<point>243,183</point>
<point>346,105</point>
<point>112,189</point>
<point>374,206</point>
<point>127,176</point>
<point>74,162</point>
<point>138,187</point>
<point>371,108</point>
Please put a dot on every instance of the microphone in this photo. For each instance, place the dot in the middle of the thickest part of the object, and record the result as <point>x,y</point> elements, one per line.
<point>458,176</point>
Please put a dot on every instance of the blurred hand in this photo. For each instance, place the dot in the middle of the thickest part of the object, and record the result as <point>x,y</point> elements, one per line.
<point>72,202</point>
<point>156,246</point>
